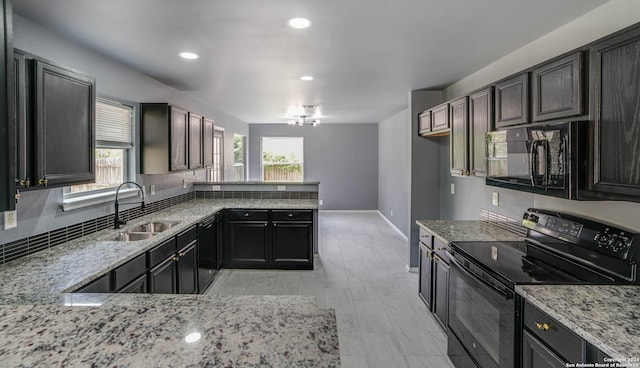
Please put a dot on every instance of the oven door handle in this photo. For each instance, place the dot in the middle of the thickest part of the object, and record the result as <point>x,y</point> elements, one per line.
<point>505,293</point>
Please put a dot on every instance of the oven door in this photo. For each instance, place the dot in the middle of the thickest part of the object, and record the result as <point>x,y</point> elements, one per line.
<point>481,316</point>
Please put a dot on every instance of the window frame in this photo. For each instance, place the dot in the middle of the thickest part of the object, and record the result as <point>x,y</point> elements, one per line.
<point>244,157</point>
<point>219,130</point>
<point>262,157</point>
<point>129,162</point>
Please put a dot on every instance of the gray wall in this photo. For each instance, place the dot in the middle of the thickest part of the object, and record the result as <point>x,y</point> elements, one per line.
<point>471,193</point>
<point>394,173</point>
<point>342,157</point>
<point>38,211</point>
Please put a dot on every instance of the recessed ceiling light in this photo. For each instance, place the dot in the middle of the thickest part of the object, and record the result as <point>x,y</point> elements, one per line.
<point>189,55</point>
<point>299,23</point>
<point>306,78</point>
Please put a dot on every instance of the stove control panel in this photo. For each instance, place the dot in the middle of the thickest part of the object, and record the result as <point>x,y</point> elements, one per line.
<point>614,240</point>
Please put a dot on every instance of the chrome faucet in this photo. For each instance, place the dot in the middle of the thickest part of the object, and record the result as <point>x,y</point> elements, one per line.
<point>117,221</point>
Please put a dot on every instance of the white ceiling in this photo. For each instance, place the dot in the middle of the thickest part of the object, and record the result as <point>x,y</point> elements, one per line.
<point>365,55</point>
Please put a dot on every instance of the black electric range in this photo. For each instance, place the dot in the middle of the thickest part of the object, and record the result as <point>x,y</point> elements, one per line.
<point>559,249</point>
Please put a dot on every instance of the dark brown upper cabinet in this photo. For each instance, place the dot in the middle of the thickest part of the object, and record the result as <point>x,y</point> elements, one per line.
<point>7,117</point>
<point>557,88</point>
<point>164,137</point>
<point>55,119</point>
<point>512,101</point>
<point>195,141</point>
<point>614,74</point>
<point>440,118</point>
<point>208,129</point>
<point>480,119</point>
<point>424,122</point>
<point>459,154</point>
<point>65,125</point>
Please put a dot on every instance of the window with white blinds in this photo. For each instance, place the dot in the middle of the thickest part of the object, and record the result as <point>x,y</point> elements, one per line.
<point>114,124</point>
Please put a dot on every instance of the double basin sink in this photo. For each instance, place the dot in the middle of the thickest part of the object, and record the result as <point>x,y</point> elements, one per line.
<point>143,231</point>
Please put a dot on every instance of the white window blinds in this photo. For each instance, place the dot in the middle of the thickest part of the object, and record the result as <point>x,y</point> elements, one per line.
<point>114,124</point>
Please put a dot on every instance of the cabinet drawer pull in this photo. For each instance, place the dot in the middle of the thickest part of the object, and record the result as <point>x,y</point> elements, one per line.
<point>543,326</point>
<point>175,259</point>
<point>181,254</point>
<point>424,236</point>
<point>441,248</point>
<point>246,214</point>
<point>290,215</point>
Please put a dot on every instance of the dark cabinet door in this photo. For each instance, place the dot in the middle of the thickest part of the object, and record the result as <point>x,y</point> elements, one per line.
<point>24,130</point>
<point>292,244</point>
<point>137,286</point>
<point>99,285</point>
<point>247,244</point>
<point>188,269</point>
<point>512,101</point>
<point>163,277</point>
<point>459,157</point>
<point>426,275</point>
<point>207,254</point>
<point>64,126</point>
<point>179,138</point>
<point>195,141</point>
<point>424,121</point>
<point>615,107</point>
<point>557,88</point>
<point>7,117</point>
<point>207,141</point>
<point>537,355</point>
<point>480,119</point>
<point>440,118</point>
<point>441,291</point>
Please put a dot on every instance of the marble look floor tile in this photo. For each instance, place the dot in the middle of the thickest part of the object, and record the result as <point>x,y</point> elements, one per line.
<point>382,350</point>
<point>429,361</point>
<point>351,344</point>
<point>374,322</point>
<point>347,323</point>
<point>350,361</point>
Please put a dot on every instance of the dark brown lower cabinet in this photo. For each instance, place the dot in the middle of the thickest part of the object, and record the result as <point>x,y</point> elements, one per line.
<point>100,285</point>
<point>536,355</point>
<point>137,286</point>
<point>441,291</point>
<point>292,244</point>
<point>188,269</point>
<point>162,278</point>
<point>247,244</point>
<point>426,275</point>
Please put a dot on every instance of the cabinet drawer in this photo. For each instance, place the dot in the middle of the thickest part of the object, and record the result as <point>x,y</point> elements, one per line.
<point>248,215</point>
<point>283,215</point>
<point>440,249</point>
<point>162,252</point>
<point>129,271</point>
<point>552,333</point>
<point>100,285</point>
<point>184,238</point>
<point>426,237</point>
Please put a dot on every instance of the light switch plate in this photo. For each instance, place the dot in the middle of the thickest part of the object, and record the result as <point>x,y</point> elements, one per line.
<point>496,199</point>
<point>10,220</point>
<point>282,187</point>
<point>320,202</point>
<point>184,183</point>
<point>453,188</point>
<point>152,189</point>
<point>215,187</point>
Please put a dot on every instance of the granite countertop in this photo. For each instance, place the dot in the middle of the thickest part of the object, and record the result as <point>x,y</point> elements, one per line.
<point>41,326</point>
<point>452,231</point>
<point>607,316</point>
<point>257,182</point>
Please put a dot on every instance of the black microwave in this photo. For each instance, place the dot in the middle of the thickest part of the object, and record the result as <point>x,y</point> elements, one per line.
<point>548,159</point>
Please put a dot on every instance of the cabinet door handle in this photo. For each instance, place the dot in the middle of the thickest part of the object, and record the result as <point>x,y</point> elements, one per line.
<point>424,236</point>
<point>175,259</point>
<point>290,215</point>
<point>181,254</point>
<point>543,326</point>
<point>441,248</point>
<point>43,181</point>
<point>246,214</point>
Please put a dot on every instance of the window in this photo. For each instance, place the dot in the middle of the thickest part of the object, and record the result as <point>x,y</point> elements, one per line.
<point>218,154</point>
<point>282,159</point>
<point>239,154</point>
<point>114,141</point>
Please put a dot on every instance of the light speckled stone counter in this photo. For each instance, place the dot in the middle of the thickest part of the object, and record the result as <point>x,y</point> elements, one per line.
<point>43,327</point>
<point>606,316</point>
<point>150,331</point>
<point>452,231</point>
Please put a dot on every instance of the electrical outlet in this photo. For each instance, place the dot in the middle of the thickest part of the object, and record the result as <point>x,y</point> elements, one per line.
<point>184,183</point>
<point>453,188</point>
<point>495,199</point>
<point>215,187</point>
<point>320,202</point>
<point>282,187</point>
<point>152,189</point>
<point>10,219</point>
<point>391,213</point>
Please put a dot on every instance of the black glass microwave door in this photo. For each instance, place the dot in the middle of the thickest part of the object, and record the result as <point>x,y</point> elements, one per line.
<point>509,162</point>
<point>482,319</point>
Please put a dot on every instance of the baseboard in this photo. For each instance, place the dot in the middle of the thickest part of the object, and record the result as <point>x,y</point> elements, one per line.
<point>394,226</point>
<point>412,269</point>
<point>350,211</point>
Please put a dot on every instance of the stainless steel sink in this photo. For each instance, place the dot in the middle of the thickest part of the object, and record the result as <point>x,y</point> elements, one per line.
<point>153,227</point>
<point>131,236</point>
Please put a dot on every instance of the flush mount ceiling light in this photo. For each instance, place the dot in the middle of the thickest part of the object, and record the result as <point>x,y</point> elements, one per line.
<point>189,55</point>
<point>306,78</point>
<point>299,23</point>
